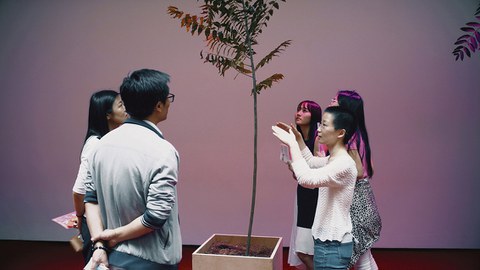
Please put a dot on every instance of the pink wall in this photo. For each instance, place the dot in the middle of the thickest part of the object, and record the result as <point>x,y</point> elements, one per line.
<point>421,108</point>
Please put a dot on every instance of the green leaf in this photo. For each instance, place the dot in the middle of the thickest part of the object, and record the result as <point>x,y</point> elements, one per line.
<point>267,83</point>
<point>273,53</point>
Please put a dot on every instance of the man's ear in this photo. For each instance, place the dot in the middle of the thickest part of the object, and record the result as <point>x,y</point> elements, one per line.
<point>160,106</point>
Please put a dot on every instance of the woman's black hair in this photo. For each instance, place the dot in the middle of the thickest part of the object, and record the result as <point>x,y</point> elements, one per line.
<point>101,104</point>
<point>343,119</point>
<point>352,101</point>
<point>316,116</point>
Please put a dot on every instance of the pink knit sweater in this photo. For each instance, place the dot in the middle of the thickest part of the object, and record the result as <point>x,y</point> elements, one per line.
<point>336,182</point>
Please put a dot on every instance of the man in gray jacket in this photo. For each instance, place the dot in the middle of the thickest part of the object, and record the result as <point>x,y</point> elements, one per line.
<point>131,201</point>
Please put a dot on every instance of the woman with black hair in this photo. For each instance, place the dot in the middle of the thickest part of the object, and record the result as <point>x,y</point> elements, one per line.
<point>335,177</point>
<point>307,118</point>
<point>106,112</point>
<point>364,212</point>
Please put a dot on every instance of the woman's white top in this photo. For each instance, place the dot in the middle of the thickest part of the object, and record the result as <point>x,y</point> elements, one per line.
<point>85,157</point>
<point>336,182</point>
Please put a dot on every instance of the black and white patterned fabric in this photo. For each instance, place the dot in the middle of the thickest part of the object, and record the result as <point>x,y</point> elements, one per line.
<point>366,220</point>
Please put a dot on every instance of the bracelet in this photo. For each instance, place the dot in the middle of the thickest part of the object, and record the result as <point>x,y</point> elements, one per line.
<point>100,247</point>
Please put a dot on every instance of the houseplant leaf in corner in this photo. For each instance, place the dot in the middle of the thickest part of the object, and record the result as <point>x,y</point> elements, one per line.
<point>231,29</point>
<point>470,42</point>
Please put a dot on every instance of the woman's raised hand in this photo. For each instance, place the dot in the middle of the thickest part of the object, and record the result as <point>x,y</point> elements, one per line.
<point>298,135</point>
<point>285,136</point>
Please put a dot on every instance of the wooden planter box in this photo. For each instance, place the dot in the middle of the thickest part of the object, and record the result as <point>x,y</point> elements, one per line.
<point>203,261</point>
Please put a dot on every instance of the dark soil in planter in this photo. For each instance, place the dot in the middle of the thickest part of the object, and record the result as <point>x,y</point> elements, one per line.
<point>221,248</point>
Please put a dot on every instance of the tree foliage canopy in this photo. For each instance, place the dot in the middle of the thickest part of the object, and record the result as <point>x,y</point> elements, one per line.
<point>228,28</point>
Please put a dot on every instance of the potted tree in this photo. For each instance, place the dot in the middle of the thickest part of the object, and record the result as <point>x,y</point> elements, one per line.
<point>231,28</point>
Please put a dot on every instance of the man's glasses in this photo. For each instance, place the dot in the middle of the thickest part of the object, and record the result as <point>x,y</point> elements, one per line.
<point>171,97</point>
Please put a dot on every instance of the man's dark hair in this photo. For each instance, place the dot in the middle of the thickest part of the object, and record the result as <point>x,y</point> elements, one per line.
<point>142,90</point>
